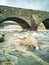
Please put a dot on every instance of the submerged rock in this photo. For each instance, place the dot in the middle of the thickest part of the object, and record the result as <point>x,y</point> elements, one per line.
<point>28,41</point>
<point>32,42</point>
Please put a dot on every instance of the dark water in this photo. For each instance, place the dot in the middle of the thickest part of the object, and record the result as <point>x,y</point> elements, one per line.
<point>10,54</point>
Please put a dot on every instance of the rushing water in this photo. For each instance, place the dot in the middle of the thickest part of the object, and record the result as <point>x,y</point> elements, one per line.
<point>12,54</point>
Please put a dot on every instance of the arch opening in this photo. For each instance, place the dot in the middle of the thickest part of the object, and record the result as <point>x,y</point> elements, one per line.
<point>11,25</point>
<point>46,23</point>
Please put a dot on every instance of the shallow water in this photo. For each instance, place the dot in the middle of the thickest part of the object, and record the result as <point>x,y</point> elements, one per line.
<point>12,54</point>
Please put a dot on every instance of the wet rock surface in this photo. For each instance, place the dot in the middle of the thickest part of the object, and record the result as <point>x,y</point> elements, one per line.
<point>20,49</point>
<point>1,38</point>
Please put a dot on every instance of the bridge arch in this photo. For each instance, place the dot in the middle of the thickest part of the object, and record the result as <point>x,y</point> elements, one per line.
<point>46,23</point>
<point>20,21</point>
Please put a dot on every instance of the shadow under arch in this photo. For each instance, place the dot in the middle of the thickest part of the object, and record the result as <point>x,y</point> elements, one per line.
<point>20,21</point>
<point>46,23</point>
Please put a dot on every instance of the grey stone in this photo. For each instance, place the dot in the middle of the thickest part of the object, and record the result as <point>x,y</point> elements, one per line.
<point>1,38</point>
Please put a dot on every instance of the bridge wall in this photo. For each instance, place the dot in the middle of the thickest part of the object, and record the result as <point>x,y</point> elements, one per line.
<point>30,16</point>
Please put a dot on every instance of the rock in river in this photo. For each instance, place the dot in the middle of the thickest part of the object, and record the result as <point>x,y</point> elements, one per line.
<point>1,38</point>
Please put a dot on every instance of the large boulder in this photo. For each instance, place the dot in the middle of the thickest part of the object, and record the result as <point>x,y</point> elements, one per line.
<point>1,38</point>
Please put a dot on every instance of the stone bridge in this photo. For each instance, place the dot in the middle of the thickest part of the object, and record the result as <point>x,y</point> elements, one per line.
<point>26,18</point>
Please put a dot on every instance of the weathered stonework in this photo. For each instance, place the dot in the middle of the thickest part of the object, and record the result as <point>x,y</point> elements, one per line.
<point>30,16</point>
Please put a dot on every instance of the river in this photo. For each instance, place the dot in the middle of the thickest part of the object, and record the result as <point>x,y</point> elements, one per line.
<point>13,54</point>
